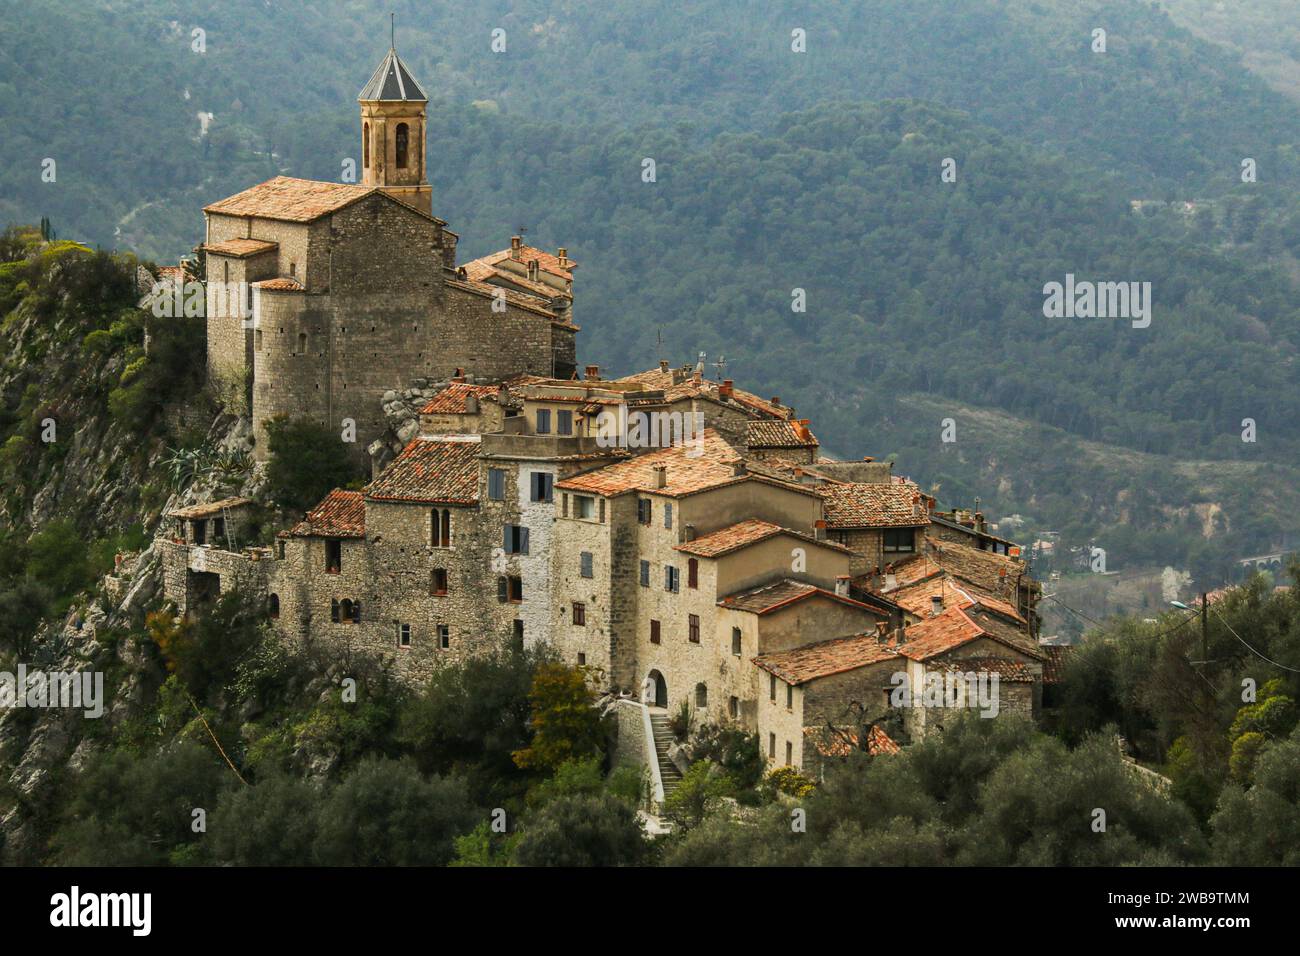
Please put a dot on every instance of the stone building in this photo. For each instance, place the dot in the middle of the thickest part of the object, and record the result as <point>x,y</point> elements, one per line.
<point>321,295</point>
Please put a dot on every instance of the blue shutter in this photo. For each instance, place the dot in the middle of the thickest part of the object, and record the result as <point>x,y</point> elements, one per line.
<point>668,514</point>
<point>523,540</point>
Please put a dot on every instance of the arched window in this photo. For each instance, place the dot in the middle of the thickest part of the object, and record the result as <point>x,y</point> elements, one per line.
<point>701,696</point>
<point>365,145</point>
<point>273,605</point>
<point>302,343</point>
<point>345,610</point>
<point>402,142</point>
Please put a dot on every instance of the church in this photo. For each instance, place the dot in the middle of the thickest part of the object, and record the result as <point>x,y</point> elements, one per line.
<point>348,288</point>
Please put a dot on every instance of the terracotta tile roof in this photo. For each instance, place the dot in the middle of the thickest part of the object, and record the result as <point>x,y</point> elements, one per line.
<point>342,514</point>
<point>854,504</point>
<point>480,270</point>
<point>813,661</point>
<point>713,465</point>
<point>879,742</point>
<point>995,573</point>
<point>433,470</point>
<point>1054,658</point>
<point>917,596</point>
<point>290,200</point>
<point>452,398</point>
<point>958,626</point>
<point>487,290</point>
<point>241,248</point>
<point>766,598</point>
<point>839,742</point>
<point>546,262</point>
<point>741,535</point>
<point>1008,671</point>
<point>657,378</point>
<point>770,433</point>
<point>209,508</point>
<point>281,284</point>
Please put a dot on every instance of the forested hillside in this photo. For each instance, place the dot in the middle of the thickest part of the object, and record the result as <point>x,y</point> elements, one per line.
<point>777,171</point>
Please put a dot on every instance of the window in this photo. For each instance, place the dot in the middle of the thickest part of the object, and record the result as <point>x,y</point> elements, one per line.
<point>582,507</point>
<point>771,687</point>
<point>302,343</point>
<point>280,552</point>
<point>402,142</point>
<point>579,613</point>
<point>645,573</point>
<point>543,486</point>
<point>333,555</point>
<point>510,589</point>
<point>899,539</point>
<point>735,641</point>
<point>693,628</point>
<point>733,707</point>
<point>438,582</point>
<point>564,422</point>
<point>345,610</point>
<point>771,746</point>
<point>643,508</point>
<point>518,634</point>
<point>701,696</point>
<point>496,484</point>
<point>514,539</point>
<point>444,636</point>
<point>543,421</point>
<point>365,146</point>
<point>440,527</point>
<point>789,696</point>
<point>692,573</point>
<point>789,753</point>
<point>585,561</point>
<point>582,659</point>
<point>258,336</point>
<point>201,531</point>
<point>672,580</point>
<point>668,514</point>
<point>404,635</point>
<point>334,610</point>
<point>273,606</point>
<point>655,634</point>
<point>218,529</point>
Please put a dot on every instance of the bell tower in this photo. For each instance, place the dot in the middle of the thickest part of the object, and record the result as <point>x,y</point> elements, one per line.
<point>392,134</point>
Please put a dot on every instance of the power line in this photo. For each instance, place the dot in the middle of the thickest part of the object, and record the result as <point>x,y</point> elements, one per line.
<point>1294,670</point>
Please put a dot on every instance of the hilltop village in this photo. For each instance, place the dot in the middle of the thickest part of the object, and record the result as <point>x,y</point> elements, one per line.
<point>682,539</point>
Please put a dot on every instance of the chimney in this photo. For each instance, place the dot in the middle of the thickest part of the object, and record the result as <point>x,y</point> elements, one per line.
<point>802,427</point>
<point>593,373</point>
<point>661,476</point>
<point>979,521</point>
<point>936,605</point>
<point>459,377</point>
<point>471,404</point>
<point>819,529</point>
<point>562,257</point>
<point>776,399</point>
<point>688,532</point>
<point>516,247</point>
<point>842,585</point>
<point>726,389</point>
<point>891,581</point>
<point>532,269</point>
<point>868,458</point>
<point>738,468</point>
<point>663,365</point>
<point>882,627</point>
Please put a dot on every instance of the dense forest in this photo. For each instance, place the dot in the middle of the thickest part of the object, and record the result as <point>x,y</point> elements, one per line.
<point>778,171</point>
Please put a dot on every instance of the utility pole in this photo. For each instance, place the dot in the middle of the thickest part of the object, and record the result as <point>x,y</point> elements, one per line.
<point>1205,637</point>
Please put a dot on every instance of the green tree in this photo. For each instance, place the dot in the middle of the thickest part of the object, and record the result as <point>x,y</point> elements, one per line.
<point>582,830</point>
<point>305,462</point>
<point>565,724</point>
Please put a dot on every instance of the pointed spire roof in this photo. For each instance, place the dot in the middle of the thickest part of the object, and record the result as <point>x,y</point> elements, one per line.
<point>392,81</point>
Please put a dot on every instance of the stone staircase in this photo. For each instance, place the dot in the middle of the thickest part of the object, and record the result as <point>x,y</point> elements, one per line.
<point>668,771</point>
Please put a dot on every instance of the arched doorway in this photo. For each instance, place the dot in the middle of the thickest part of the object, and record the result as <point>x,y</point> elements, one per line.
<point>655,690</point>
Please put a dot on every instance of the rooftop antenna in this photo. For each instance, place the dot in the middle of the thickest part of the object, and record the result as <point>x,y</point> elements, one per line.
<point>720,365</point>
<point>392,31</point>
<point>659,343</point>
<point>699,366</point>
